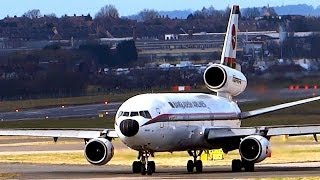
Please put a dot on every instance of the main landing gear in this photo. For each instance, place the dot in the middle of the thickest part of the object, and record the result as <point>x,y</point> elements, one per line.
<point>197,164</point>
<point>237,165</point>
<point>144,166</point>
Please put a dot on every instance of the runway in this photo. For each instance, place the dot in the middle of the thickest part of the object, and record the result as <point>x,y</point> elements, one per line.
<point>43,171</point>
<point>61,112</point>
<point>92,110</point>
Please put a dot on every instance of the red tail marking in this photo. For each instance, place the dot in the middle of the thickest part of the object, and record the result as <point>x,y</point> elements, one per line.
<point>228,61</point>
<point>234,39</point>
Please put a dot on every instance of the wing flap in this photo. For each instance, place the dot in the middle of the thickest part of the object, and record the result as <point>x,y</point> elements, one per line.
<point>294,130</point>
<point>221,133</point>
<point>248,114</point>
<point>68,133</point>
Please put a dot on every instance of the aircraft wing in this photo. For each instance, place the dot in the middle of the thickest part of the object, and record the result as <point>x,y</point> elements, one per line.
<point>248,114</point>
<point>268,131</point>
<point>68,133</point>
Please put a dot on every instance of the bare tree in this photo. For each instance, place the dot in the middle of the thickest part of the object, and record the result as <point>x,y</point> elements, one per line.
<point>148,14</point>
<point>269,11</point>
<point>33,14</point>
<point>251,13</point>
<point>108,11</point>
<point>52,15</point>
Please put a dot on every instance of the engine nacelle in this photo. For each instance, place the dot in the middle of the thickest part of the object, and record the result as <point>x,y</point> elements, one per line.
<point>221,78</point>
<point>255,148</point>
<point>99,151</point>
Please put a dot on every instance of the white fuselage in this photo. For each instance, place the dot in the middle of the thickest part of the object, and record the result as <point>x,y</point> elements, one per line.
<point>170,121</point>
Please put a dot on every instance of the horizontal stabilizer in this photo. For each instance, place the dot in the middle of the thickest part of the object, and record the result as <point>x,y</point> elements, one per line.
<point>248,114</point>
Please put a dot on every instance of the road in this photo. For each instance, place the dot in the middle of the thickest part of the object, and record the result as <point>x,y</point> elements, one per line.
<point>94,109</point>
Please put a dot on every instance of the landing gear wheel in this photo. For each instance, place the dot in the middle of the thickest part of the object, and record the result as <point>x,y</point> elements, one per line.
<point>150,169</point>
<point>236,165</point>
<point>198,166</point>
<point>190,166</point>
<point>136,167</point>
<point>143,165</point>
<point>153,166</point>
<point>143,170</point>
<point>248,166</point>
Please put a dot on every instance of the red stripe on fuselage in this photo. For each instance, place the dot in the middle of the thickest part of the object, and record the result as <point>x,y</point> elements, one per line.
<point>193,117</point>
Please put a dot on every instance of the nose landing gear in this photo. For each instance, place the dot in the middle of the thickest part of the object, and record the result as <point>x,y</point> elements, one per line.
<point>144,166</point>
<point>197,164</point>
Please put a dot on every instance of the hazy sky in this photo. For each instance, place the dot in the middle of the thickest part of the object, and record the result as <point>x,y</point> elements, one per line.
<point>129,7</point>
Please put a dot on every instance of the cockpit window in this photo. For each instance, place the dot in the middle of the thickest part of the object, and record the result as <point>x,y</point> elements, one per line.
<point>134,113</point>
<point>147,114</point>
<point>126,114</point>
<point>120,114</point>
<point>142,114</point>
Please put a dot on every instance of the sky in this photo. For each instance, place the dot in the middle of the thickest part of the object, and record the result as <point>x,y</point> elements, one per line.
<point>129,7</point>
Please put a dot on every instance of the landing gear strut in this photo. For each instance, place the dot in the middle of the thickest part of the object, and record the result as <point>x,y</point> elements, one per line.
<point>197,164</point>
<point>144,166</point>
<point>237,165</point>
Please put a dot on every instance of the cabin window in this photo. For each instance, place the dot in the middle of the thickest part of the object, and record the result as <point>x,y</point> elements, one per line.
<point>126,114</point>
<point>134,113</point>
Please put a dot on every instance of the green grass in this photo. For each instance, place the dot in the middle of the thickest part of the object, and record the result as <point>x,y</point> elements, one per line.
<point>304,114</point>
<point>41,103</point>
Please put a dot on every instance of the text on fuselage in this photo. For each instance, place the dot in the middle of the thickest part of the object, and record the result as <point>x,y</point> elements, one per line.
<point>236,80</point>
<point>187,104</point>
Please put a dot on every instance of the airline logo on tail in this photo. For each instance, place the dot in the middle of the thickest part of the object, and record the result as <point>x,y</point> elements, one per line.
<point>228,56</point>
<point>234,37</point>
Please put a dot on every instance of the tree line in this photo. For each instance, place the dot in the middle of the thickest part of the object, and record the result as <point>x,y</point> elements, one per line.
<point>147,23</point>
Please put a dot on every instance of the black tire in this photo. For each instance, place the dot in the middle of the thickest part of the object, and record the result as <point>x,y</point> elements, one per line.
<point>248,166</point>
<point>153,166</point>
<point>190,166</point>
<point>136,167</point>
<point>150,169</point>
<point>198,166</point>
<point>143,170</point>
<point>236,165</point>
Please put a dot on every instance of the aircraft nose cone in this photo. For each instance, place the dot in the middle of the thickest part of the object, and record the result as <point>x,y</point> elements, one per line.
<point>129,127</point>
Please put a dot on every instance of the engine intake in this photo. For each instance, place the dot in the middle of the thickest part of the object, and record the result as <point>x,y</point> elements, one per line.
<point>215,77</point>
<point>221,78</point>
<point>99,151</point>
<point>255,148</point>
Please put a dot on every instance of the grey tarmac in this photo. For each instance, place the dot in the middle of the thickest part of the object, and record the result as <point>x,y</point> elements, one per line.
<point>44,171</point>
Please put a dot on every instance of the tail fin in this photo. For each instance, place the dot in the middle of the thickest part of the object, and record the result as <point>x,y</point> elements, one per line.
<point>228,56</point>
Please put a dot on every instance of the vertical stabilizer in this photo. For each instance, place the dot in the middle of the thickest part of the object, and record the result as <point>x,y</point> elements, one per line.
<point>228,56</point>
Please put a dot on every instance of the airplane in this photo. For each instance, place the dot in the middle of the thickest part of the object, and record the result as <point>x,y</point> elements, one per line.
<point>192,122</point>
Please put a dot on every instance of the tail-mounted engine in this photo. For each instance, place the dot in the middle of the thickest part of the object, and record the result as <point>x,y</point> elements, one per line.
<point>223,79</point>
<point>255,148</point>
<point>99,151</point>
